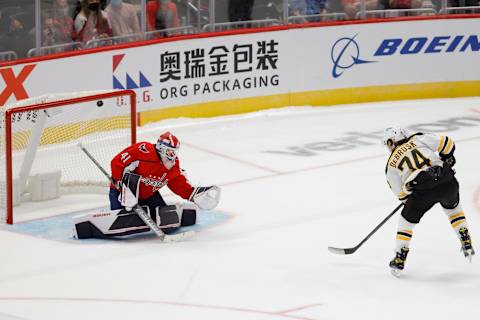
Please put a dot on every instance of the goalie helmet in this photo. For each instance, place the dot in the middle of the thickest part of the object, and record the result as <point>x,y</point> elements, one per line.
<point>167,147</point>
<point>392,136</point>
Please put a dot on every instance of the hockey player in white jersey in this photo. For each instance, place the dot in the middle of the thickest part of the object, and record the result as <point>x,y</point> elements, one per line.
<point>419,172</point>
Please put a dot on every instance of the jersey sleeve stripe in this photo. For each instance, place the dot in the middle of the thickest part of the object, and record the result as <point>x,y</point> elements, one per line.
<point>449,146</point>
<point>441,144</point>
<point>444,145</point>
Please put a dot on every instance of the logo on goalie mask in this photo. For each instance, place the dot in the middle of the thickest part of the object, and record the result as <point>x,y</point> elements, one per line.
<point>167,147</point>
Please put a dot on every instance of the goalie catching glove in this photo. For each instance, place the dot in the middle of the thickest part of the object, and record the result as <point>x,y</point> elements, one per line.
<point>206,198</point>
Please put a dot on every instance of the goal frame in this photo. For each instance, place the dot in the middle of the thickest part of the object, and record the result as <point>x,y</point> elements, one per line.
<point>48,105</point>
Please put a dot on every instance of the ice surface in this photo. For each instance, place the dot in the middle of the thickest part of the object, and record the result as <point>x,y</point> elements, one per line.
<point>295,181</point>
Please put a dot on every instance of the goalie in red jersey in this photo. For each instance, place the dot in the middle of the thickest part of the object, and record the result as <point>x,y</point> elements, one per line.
<point>140,171</point>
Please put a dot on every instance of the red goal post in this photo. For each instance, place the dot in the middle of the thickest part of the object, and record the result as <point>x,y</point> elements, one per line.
<point>39,144</point>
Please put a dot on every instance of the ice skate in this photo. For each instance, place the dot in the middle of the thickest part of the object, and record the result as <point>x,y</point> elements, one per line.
<point>398,263</point>
<point>466,244</point>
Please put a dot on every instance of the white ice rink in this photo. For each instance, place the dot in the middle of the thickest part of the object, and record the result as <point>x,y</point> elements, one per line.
<point>294,181</point>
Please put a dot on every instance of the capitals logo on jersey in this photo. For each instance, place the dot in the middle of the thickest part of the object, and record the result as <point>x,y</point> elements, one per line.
<point>143,148</point>
<point>157,184</point>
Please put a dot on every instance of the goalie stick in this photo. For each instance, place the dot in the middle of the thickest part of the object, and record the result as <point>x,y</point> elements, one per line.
<point>139,210</point>
<point>353,249</point>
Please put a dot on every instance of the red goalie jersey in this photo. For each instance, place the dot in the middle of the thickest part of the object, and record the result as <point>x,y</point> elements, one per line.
<point>142,159</point>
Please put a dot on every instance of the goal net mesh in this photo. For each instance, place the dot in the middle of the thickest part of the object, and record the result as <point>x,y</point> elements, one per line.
<point>40,150</point>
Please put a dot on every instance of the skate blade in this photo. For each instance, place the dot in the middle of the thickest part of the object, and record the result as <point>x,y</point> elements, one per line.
<point>469,256</point>
<point>396,272</point>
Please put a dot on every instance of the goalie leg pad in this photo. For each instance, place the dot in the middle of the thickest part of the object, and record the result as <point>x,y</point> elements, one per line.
<point>128,219</point>
<point>86,230</point>
<point>108,224</point>
<point>189,217</point>
<point>168,218</point>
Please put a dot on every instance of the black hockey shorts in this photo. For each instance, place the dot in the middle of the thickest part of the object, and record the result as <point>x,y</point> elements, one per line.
<point>420,201</point>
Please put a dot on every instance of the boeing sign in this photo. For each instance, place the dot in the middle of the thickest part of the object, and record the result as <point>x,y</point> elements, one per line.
<point>345,51</point>
<point>345,54</point>
<point>437,44</point>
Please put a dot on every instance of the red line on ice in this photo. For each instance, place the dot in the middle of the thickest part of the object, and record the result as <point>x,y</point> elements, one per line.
<point>168,303</point>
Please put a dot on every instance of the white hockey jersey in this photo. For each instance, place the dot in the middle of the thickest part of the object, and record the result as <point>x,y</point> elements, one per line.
<point>418,153</point>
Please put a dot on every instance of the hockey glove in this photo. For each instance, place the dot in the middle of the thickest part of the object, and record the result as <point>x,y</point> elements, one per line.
<point>450,160</point>
<point>206,198</point>
<point>409,186</point>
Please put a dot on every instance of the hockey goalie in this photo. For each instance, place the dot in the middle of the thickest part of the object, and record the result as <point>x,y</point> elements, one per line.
<point>139,172</point>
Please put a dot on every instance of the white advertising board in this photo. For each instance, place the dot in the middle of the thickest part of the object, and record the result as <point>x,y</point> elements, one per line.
<point>278,62</point>
<point>402,52</point>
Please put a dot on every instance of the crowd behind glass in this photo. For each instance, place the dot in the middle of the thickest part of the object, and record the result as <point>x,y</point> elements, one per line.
<point>31,28</point>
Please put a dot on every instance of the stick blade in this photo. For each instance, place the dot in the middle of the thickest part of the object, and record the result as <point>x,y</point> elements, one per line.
<point>341,251</point>
<point>336,250</point>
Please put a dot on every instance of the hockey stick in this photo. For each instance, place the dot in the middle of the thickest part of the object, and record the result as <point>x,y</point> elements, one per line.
<point>139,210</point>
<point>352,250</point>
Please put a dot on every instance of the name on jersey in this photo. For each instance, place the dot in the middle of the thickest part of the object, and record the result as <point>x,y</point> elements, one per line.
<point>400,153</point>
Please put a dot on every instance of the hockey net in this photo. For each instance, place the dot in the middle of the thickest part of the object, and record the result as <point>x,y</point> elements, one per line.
<point>40,157</point>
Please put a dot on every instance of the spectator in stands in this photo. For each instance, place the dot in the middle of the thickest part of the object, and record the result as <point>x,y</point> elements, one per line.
<point>463,3</point>
<point>3,30</point>
<point>63,8</point>
<point>297,8</point>
<point>123,18</point>
<point>92,22</point>
<point>21,34</point>
<point>240,10</point>
<point>352,7</point>
<point>267,9</point>
<point>162,14</point>
<point>57,25</point>
<point>429,4</point>
<point>315,7</point>
<point>405,4</point>
<point>56,29</point>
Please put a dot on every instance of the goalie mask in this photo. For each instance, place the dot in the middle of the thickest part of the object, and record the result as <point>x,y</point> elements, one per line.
<point>167,147</point>
<point>393,136</point>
